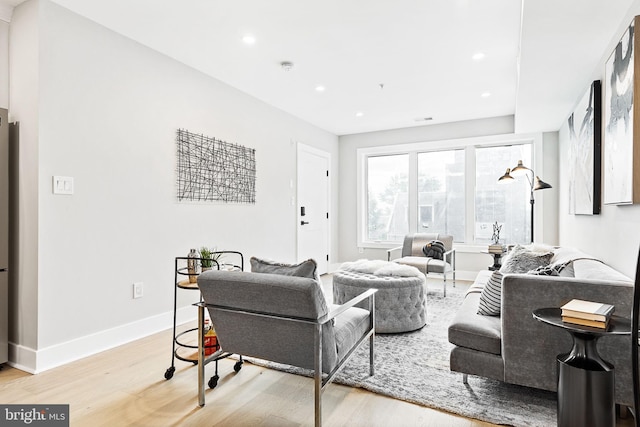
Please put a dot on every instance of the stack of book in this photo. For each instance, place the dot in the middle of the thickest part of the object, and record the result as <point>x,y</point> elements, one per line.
<point>496,249</point>
<point>587,313</point>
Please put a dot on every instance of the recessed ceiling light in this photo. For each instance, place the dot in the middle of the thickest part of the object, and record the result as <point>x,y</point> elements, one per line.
<point>249,39</point>
<point>486,94</point>
<point>359,114</point>
<point>478,56</point>
<point>320,88</point>
<point>286,65</point>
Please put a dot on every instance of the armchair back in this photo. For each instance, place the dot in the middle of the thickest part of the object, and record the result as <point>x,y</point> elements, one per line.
<point>266,336</point>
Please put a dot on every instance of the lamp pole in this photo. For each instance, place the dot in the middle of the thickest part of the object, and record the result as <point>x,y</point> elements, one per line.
<point>535,183</point>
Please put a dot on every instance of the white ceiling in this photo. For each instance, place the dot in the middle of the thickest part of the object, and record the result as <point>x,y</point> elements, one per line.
<point>537,63</point>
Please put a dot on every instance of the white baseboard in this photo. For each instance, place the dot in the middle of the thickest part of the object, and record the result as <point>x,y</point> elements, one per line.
<point>36,361</point>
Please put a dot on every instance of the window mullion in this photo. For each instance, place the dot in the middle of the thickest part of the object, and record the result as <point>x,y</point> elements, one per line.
<point>470,194</point>
<point>413,192</point>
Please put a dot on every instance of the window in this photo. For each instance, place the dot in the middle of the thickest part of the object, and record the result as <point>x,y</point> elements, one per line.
<point>508,205</point>
<point>387,197</point>
<point>441,193</point>
<point>444,187</point>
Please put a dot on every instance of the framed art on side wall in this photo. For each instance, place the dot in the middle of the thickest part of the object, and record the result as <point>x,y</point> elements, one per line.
<point>585,134</point>
<point>621,156</point>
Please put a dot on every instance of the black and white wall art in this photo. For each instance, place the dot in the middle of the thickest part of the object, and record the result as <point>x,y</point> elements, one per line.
<point>619,123</point>
<point>213,170</point>
<point>585,153</point>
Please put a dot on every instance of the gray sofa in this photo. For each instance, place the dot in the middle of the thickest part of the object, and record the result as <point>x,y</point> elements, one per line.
<point>517,349</point>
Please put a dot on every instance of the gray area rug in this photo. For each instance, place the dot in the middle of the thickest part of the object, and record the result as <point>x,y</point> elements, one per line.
<point>414,367</point>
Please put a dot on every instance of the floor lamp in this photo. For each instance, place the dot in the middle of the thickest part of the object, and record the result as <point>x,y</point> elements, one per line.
<point>534,182</point>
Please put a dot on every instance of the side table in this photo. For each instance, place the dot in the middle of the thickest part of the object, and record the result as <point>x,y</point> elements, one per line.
<point>586,382</point>
<point>496,260</point>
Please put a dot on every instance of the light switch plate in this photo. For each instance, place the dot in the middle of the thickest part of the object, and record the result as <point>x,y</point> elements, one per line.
<point>63,185</point>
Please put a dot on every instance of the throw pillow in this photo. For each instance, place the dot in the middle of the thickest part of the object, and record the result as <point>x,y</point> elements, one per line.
<point>434,249</point>
<point>551,270</point>
<point>522,260</point>
<point>306,268</point>
<point>491,295</point>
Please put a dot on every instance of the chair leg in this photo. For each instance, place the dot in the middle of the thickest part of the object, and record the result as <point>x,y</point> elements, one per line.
<point>201,363</point>
<point>371,368</point>
<point>444,290</point>
<point>465,379</point>
<point>318,376</point>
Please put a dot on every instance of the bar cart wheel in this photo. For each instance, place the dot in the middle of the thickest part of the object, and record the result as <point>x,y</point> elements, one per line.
<point>237,366</point>
<point>213,381</point>
<point>169,373</point>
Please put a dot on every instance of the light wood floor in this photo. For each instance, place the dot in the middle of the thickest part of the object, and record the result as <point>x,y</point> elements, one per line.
<point>125,386</point>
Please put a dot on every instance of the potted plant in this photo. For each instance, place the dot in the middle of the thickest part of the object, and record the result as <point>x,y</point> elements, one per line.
<point>207,257</point>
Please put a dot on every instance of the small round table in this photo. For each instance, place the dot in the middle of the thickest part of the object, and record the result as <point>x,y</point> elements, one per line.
<point>496,260</point>
<point>586,382</point>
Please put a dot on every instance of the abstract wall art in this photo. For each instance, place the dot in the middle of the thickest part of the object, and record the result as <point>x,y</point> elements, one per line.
<point>213,170</point>
<point>621,164</point>
<point>585,153</point>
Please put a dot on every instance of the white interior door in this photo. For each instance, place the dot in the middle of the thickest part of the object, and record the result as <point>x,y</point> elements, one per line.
<point>313,206</point>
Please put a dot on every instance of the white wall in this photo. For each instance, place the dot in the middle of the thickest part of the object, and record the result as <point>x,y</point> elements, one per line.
<point>349,144</point>
<point>4,64</point>
<point>614,235</point>
<point>109,109</point>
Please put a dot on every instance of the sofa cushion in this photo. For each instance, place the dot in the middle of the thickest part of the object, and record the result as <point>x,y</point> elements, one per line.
<point>470,330</point>
<point>491,295</point>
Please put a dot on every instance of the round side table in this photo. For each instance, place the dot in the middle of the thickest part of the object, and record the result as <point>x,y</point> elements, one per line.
<point>586,382</point>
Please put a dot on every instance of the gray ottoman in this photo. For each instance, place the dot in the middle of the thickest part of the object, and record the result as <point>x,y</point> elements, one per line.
<point>401,296</point>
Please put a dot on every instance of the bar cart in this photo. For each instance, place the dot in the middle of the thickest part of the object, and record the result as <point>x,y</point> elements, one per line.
<point>186,270</point>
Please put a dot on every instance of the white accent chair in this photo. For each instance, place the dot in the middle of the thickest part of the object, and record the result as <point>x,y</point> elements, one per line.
<point>410,253</point>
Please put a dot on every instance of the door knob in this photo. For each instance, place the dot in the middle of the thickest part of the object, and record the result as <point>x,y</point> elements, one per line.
<point>304,222</point>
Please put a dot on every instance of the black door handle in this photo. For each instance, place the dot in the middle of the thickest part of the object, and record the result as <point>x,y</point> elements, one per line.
<point>304,222</point>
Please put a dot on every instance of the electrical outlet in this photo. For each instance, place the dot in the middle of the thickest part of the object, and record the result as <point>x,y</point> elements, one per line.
<point>360,250</point>
<point>138,290</point>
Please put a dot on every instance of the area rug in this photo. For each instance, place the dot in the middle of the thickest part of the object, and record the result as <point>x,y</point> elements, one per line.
<point>414,367</point>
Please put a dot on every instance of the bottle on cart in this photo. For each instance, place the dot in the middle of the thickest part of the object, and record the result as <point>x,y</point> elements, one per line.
<point>192,265</point>
<point>210,338</point>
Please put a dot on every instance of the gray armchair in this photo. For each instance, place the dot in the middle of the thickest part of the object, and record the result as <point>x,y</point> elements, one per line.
<point>284,319</point>
<point>410,253</point>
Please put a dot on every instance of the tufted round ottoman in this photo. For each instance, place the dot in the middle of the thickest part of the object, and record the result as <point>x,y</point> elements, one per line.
<point>400,300</point>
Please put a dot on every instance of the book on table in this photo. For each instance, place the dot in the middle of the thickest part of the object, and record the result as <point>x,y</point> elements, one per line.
<point>496,249</point>
<point>587,310</point>
<point>586,322</point>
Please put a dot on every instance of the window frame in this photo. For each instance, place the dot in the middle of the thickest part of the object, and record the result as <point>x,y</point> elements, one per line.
<point>412,149</point>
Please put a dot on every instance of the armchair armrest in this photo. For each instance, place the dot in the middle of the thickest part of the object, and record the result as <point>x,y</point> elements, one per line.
<point>391,253</point>
<point>368,294</point>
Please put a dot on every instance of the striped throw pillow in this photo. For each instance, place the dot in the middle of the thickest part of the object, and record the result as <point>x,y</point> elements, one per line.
<point>491,295</point>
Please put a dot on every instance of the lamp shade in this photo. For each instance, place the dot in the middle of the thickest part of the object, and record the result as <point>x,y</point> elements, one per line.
<point>506,178</point>
<point>540,184</point>
<point>520,169</point>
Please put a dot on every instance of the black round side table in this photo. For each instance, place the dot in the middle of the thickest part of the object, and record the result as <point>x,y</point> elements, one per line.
<point>586,382</point>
